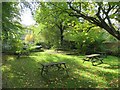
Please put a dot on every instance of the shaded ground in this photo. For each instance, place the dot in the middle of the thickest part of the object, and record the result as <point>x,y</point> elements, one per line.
<point>24,72</point>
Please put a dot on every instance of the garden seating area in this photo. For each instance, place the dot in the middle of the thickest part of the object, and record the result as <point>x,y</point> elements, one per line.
<point>58,70</point>
<point>60,44</point>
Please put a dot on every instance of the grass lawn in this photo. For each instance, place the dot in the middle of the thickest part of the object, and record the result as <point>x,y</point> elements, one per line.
<point>24,72</point>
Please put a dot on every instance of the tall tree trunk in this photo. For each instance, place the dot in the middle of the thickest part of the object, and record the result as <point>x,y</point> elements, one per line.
<point>61,37</point>
<point>61,28</point>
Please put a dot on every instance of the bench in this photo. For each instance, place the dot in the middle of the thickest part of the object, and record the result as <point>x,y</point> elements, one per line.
<point>93,58</point>
<point>59,65</point>
<point>22,54</point>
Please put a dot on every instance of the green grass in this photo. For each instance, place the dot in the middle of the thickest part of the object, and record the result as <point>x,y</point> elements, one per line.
<point>24,72</point>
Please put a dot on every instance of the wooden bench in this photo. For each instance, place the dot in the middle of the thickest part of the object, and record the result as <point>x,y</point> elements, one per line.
<point>22,54</point>
<point>59,65</point>
<point>93,58</point>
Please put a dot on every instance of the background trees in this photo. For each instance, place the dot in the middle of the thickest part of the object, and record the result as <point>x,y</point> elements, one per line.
<point>54,21</point>
<point>81,25</point>
<point>101,14</point>
<point>73,25</point>
<point>11,28</point>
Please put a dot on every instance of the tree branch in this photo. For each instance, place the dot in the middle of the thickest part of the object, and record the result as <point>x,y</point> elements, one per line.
<point>100,21</point>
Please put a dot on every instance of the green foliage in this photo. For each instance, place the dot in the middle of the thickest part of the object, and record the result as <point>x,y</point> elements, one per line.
<point>101,14</point>
<point>86,36</point>
<point>55,22</point>
<point>12,29</point>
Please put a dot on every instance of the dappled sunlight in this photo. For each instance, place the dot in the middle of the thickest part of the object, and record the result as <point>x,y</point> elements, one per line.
<point>11,58</point>
<point>6,68</point>
<point>23,73</point>
<point>107,66</point>
<point>11,75</point>
<point>104,65</point>
<point>108,70</point>
<point>75,48</point>
<point>111,60</point>
<point>93,77</point>
<point>26,72</point>
<point>8,58</point>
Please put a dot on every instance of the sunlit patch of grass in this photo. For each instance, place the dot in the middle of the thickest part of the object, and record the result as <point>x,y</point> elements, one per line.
<point>11,58</point>
<point>107,70</point>
<point>6,68</point>
<point>25,73</point>
<point>8,58</point>
<point>93,77</point>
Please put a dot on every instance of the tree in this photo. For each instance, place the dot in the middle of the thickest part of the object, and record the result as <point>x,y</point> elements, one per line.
<point>102,14</point>
<point>99,13</point>
<point>86,37</point>
<point>12,29</point>
<point>54,18</point>
<point>49,15</point>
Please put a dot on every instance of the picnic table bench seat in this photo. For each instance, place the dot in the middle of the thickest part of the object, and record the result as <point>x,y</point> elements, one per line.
<point>22,54</point>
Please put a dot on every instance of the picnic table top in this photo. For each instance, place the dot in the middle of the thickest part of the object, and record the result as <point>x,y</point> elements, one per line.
<point>53,63</point>
<point>92,55</point>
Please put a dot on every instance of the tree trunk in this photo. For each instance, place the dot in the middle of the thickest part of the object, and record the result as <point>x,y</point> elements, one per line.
<point>61,28</point>
<point>61,37</point>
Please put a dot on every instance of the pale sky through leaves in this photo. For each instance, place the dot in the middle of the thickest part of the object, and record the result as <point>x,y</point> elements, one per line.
<point>27,18</point>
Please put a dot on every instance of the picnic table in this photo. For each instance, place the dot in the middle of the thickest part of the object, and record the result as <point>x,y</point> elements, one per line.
<point>59,65</point>
<point>93,58</point>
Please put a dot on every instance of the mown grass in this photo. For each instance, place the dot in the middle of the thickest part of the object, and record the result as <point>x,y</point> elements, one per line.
<point>25,73</point>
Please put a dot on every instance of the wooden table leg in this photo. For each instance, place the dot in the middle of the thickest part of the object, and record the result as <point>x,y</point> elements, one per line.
<point>101,60</point>
<point>59,66</point>
<point>86,59</point>
<point>42,70</point>
<point>66,68</point>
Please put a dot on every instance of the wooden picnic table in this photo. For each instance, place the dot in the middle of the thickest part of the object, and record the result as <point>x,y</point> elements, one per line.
<point>59,65</point>
<point>93,58</point>
<point>92,55</point>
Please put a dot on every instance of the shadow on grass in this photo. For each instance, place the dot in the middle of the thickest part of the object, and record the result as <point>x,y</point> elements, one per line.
<point>24,73</point>
<point>21,73</point>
